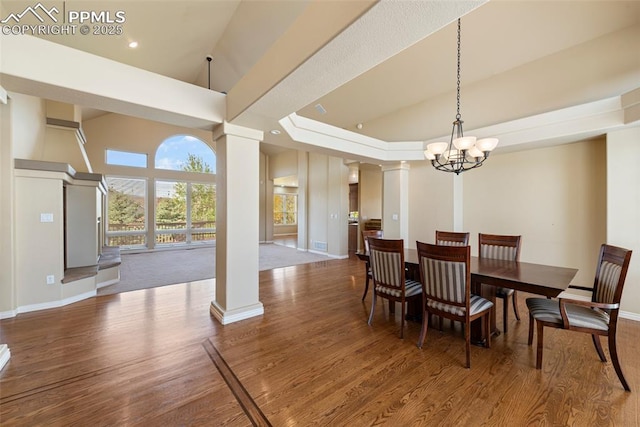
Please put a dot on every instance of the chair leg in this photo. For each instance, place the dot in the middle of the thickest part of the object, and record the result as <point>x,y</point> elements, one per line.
<point>366,287</point>
<point>540,328</point>
<point>596,343</point>
<point>487,329</point>
<point>613,351</point>
<point>402,321</point>
<point>373,308</point>
<point>505,314</point>
<point>425,325</point>
<point>530,329</point>
<point>516,310</point>
<point>467,345</point>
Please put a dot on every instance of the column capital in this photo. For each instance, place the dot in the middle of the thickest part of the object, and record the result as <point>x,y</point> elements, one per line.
<point>396,166</point>
<point>226,128</point>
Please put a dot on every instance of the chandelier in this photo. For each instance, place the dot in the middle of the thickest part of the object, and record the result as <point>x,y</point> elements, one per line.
<point>461,153</point>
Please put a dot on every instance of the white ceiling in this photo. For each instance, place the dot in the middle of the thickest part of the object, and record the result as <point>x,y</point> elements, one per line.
<point>498,38</point>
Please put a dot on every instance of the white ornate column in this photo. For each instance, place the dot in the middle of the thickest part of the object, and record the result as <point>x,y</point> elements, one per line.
<point>237,223</point>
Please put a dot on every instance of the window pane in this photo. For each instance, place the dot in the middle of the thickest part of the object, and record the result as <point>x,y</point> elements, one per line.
<point>171,205</point>
<point>285,209</point>
<point>185,153</point>
<point>185,212</point>
<point>203,206</point>
<point>125,158</point>
<point>126,204</point>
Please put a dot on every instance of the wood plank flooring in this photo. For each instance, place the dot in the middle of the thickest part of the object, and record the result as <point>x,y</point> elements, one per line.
<point>151,357</point>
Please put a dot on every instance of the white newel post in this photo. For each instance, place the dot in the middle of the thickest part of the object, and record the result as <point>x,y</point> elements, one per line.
<point>237,223</point>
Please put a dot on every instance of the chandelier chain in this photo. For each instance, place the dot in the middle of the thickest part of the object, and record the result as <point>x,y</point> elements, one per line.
<point>458,75</point>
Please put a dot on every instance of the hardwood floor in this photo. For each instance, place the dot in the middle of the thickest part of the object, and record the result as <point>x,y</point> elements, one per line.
<point>157,357</point>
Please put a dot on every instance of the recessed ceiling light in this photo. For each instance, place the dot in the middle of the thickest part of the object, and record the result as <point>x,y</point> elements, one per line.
<point>133,45</point>
<point>274,132</point>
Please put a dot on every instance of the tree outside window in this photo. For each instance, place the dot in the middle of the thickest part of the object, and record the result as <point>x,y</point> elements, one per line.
<point>186,211</point>
<point>285,209</point>
<point>126,219</point>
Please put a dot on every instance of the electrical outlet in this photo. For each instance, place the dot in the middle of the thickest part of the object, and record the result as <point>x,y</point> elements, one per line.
<point>51,279</point>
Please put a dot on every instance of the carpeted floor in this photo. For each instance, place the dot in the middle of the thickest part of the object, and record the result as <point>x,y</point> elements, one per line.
<point>153,269</point>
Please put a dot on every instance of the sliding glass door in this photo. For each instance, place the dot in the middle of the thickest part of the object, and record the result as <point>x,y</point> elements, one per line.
<point>185,212</point>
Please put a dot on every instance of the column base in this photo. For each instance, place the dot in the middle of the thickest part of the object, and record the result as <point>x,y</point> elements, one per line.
<point>229,316</point>
<point>5,355</point>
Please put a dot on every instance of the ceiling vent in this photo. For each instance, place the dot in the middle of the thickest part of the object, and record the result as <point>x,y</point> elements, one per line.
<point>321,109</point>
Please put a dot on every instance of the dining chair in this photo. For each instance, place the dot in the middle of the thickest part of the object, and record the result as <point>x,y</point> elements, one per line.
<point>445,274</point>
<point>596,317</point>
<point>452,238</point>
<point>507,248</point>
<point>388,275</point>
<point>378,234</point>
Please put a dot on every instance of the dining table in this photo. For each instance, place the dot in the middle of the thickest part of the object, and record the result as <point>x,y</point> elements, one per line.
<point>487,274</point>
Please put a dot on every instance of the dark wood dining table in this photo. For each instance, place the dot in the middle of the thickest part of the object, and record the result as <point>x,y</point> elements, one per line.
<point>487,274</point>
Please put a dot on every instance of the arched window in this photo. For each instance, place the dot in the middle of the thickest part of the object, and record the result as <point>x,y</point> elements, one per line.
<point>185,208</point>
<point>185,153</point>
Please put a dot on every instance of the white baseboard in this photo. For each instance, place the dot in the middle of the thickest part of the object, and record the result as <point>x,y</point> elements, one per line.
<point>230,316</point>
<point>8,314</point>
<point>629,315</point>
<point>108,282</point>
<point>47,305</point>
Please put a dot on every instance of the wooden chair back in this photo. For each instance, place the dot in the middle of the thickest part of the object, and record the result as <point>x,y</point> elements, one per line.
<point>452,238</point>
<point>377,234</point>
<point>497,246</point>
<point>445,272</point>
<point>386,257</point>
<point>611,272</point>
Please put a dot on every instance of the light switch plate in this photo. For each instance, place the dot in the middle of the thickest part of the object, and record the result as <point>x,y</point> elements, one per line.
<point>46,217</point>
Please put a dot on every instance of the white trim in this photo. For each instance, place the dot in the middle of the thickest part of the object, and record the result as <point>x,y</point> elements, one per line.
<point>311,251</point>
<point>47,305</point>
<point>629,315</point>
<point>8,314</point>
<point>229,316</point>
<point>108,282</point>
<point>554,127</point>
<point>226,128</point>
<point>3,95</point>
<point>5,355</point>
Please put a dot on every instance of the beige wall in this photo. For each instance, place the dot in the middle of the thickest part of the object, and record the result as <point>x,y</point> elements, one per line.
<point>554,197</point>
<point>283,164</point>
<point>28,126</point>
<point>430,202</point>
<point>623,206</point>
<point>318,199</point>
<point>370,192</point>
<point>39,246</point>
